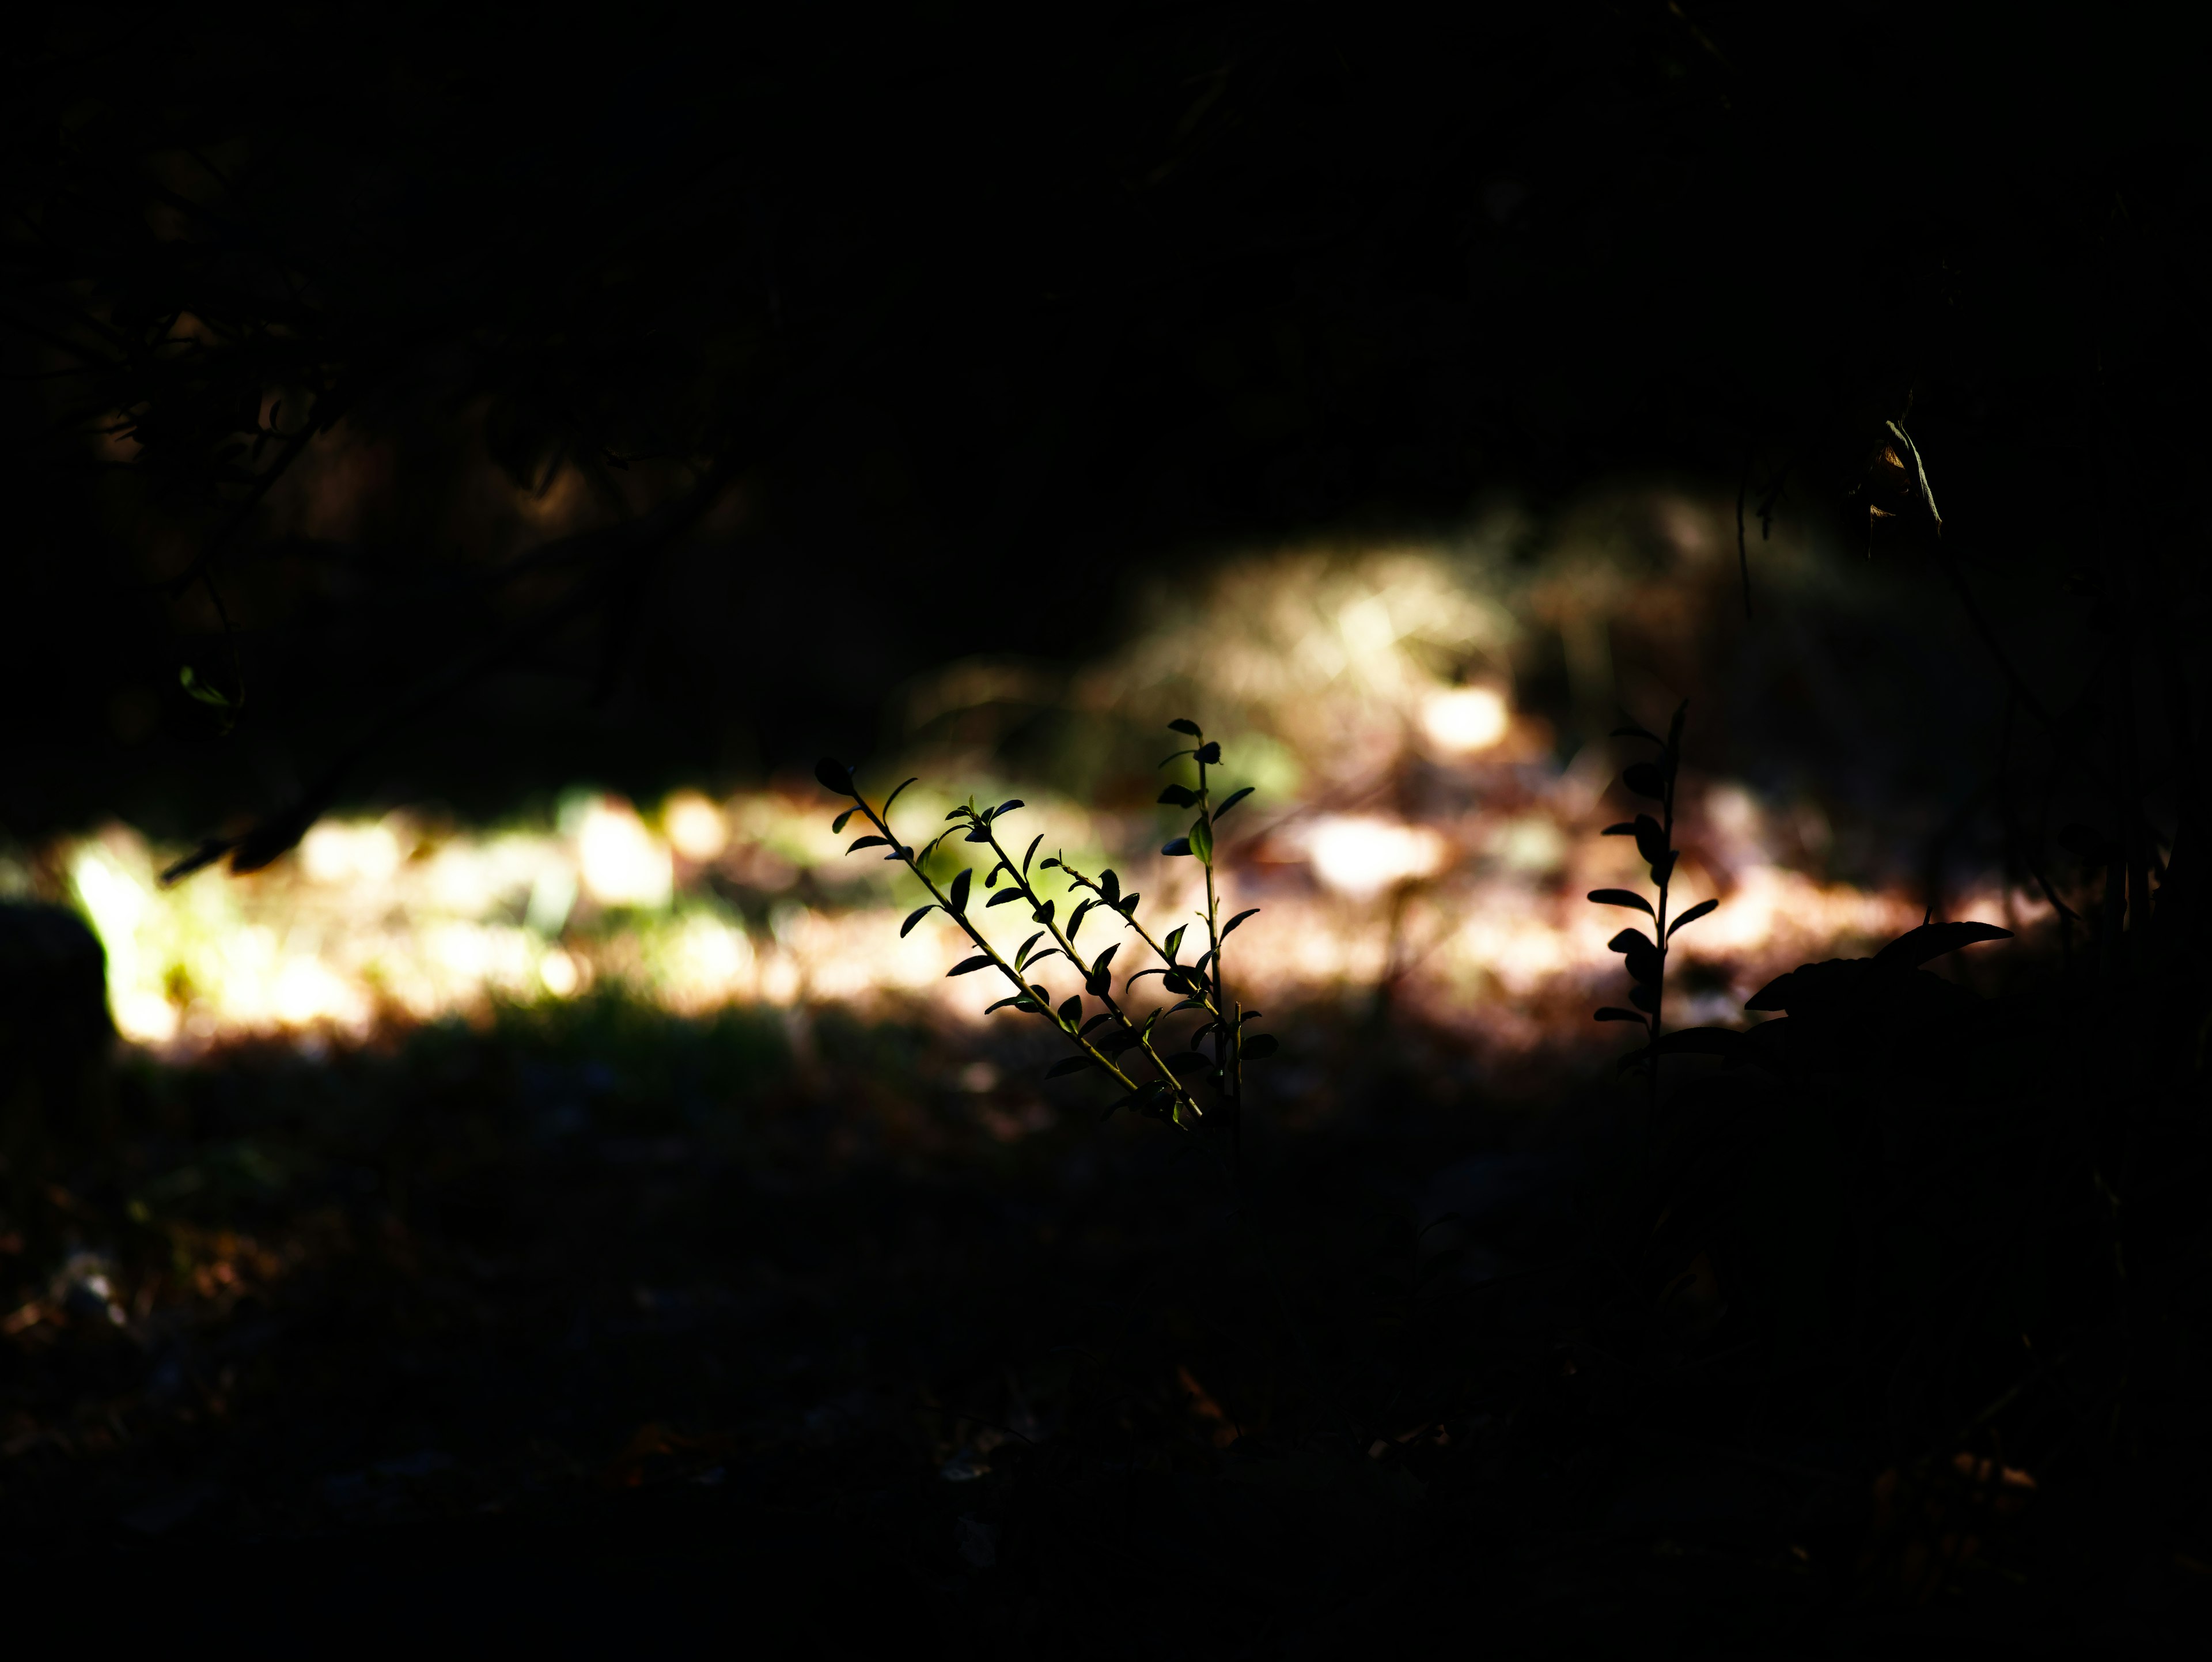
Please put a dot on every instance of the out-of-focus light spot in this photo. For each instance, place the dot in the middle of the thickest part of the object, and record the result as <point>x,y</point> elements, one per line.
<point>1530,843</point>
<point>696,828</point>
<point>1464,719</point>
<point>703,962</point>
<point>552,897</point>
<point>1360,856</point>
<point>337,852</point>
<point>624,863</point>
<point>144,1017</point>
<point>558,973</point>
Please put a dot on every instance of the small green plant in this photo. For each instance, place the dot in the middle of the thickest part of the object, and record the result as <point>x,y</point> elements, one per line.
<point>1109,1033</point>
<point>1646,954</point>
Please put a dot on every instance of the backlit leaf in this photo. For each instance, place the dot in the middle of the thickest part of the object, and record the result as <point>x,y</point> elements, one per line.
<point>968,965</point>
<point>1230,928</point>
<point>1232,800</point>
<point>1691,915</point>
<point>914,918</point>
<point>1621,898</point>
<point>835,775</point>
<point>959,896</point>
<point>1184,724</point>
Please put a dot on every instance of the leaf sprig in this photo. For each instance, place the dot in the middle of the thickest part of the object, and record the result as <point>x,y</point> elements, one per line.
<point>1646,954</point>
<point>1116,1038</point>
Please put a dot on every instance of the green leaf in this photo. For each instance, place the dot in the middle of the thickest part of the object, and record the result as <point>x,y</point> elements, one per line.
<point>1202,839</point>
<point>1067,1065</point>
<point>1230,928</point>
<point>1180,845</point>
<point>914,918</point>
<point>969,965</point>
<point>1071,1008</point>
<point>1178,796</point>
<point>835,775</point>
<point>860,842</point>
<point>1127,903</point>
<point>959,905</point>
<point>1622,898</point>
<point>1258,1047</point>
<point>837,825</point>
<point>1097,980</point>
<point>1691,915</point>
<point>1175,940</point>
<point>1230,801</point>
<point>1184,724</point>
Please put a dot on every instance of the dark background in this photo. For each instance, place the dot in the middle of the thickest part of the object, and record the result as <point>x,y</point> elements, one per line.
<point>986,323</point>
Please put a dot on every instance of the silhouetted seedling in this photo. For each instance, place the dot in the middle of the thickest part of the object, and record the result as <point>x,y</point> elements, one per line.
<point>1646,954</point>
<point>1108,1034</point>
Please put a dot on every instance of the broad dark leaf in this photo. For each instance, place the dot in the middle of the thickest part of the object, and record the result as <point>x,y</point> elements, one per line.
<point>1645,780</point>
<point>1179,845</point>
<point>1043,914</point>
<point>1075,918</point>
<point>1201,840</point>
<point>1625,828</point>
<point>959,895</point>
<point>1007,807</point>
<point>1067,1065</point>
<point>1210,752</point>
<point>1645,964</point>
<point>1644,999</point>
<point>1614,1012</point>
<point>1629,939</point>
<point>1095,1022</point>
<point>837,825</point>
<point>1031,855</point>
<point>1022,957</point>
<point>1127,905</point>
<point>1174,942</point>
<point>1663,869</point>
<point>1259,1047</point>
<point>1621,898</point>
<point>1232,800</point>
<point>914,918</point>
<point>1178,796</point>
<point>860,842</point>
<point>1691,915</point>
<point>1228,929</point>
<point>1916,946</point>
<point>968,965</point>
<point>1070,1007</point>
<point>1002,897</point>
<point>1184,724</point>
<point>835,775</point>
<point>1109,885</point>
